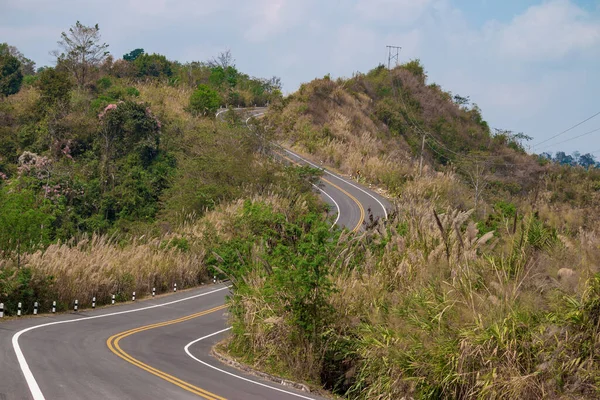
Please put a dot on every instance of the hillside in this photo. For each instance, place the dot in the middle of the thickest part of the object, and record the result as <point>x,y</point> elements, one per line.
<point>482,284</point>
<point>375,123</point>
<point>115,176</point>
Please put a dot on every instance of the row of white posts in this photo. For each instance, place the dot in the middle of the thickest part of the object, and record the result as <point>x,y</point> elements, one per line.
<point>76,303</point>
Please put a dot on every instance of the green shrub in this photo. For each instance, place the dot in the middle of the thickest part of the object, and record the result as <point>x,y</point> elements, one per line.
<point>131,91</point>
<point>204,101</point>
<point>104,83</point>
<point>30,80</point>
<point>503,212</point>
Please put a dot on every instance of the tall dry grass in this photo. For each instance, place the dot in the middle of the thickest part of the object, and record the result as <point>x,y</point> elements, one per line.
<point>426,306</point>
<point>333,127</point>
<point>99,267</point>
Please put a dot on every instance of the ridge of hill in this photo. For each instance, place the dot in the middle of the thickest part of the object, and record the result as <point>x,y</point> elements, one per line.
<point>380,124</point>
<point>375,123</point>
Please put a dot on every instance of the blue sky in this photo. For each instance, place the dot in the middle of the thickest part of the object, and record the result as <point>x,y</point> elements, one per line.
<point>531,65</point>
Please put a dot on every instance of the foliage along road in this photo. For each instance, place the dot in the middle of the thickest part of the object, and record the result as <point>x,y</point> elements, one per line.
<point>351,201</point>
<point>154,349</point>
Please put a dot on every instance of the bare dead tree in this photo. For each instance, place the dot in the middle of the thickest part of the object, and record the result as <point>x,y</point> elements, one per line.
<point>223,60</point>
<point>477,174</point>
<point>82,51</point>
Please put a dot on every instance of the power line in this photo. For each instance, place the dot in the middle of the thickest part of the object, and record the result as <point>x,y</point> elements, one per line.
<point>488,160</point>
<point>482,158</point>
<point>567,130</point>
<point>568,140</point>
<point>427,134</point>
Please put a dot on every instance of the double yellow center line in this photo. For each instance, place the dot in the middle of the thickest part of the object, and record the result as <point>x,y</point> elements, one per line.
<point>113,345</point>
<point>360,207</point>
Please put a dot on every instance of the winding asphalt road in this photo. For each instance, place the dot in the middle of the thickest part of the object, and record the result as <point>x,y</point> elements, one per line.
<point>350,201</point>
<point>152,349</point>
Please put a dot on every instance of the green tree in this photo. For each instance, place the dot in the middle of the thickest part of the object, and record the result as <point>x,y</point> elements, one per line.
<point>133,55</point>
<point>417,69</point>
<point>220,76</point>
<point>55,87</point>
<point>23,225</point>
<point>27,65</point>
<point>81,51</point>
<point>587,160</point>
<point>11,75</point>
<point>127,127</point>
<point>204,101</point>
<point>153,65</point>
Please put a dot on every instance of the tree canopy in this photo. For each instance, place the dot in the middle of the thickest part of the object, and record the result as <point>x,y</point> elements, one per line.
<point>82,51</point>
<point>11,75</point>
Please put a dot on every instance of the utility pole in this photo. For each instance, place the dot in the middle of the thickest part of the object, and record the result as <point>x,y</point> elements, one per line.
<point>422,151</point>
<point>393,54</point>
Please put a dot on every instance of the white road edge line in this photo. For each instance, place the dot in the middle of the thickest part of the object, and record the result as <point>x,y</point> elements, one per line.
<point>187,350</point>
<point>225,110</point>
<point>316,166</point>
<point>318,188</point>
<point>334,202</point>
<point>341,179</point>
<point>252,116</point>
<point>32,383</point>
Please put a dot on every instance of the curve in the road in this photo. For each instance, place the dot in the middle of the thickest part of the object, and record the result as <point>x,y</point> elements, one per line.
<point>341,179</point>
<point>189,353</point>
<point>262,111</point>
<point>346,193</point>
<point>30,379</point>
<point>337,206</point>
<point>113,345</point>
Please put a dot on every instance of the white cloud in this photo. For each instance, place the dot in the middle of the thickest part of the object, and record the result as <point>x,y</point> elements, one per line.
<point>548,31</point>
<point>267,18</point>
<point>399,11</point>
<point>179,9</point>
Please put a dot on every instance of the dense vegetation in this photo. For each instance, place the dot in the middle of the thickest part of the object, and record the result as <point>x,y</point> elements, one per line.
<point>115,177</point>
<point>484,284</point>
<point>104,163</point>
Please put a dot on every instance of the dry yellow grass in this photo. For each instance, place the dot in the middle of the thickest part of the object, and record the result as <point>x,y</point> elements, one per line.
<point>100,267</point>
<point>340,133</point>
<point>421,310</point>
<point>166,100</point>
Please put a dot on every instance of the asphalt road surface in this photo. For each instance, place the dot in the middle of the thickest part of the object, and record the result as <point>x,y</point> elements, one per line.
<point>133,351</point>
<point>152,349</point>
<point>351,202</point>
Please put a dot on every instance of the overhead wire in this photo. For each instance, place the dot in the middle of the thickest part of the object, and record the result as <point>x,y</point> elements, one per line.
<point>429,135</point>
<point>484,161</point>
<point>483,158</point>
<point>567,130</point>
<point>568,140</point>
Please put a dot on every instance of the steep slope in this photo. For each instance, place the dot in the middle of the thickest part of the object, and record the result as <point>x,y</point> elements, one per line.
<point>375,123</point>
<point>483,284</point>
